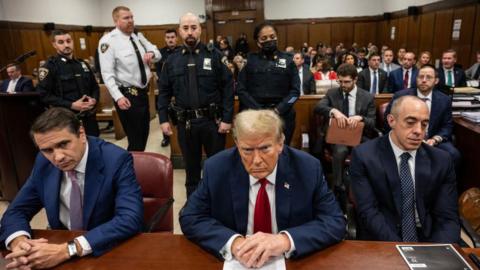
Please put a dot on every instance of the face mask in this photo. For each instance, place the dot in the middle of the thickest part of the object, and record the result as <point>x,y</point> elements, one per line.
<point>269,47</point>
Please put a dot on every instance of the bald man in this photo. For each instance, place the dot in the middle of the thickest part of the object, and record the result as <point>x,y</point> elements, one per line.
<point>405,189</point>
<point>196,76</point>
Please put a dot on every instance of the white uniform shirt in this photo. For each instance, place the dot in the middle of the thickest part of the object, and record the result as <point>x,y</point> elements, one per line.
<point>11,85</point>
<point>119,63</point>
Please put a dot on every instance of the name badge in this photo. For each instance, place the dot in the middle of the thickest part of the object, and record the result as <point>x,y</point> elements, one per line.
<point>282,63</point>
<point>85,68</point>
<point>207,64</point>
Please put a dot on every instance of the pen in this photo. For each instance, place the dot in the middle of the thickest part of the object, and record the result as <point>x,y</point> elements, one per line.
<point>475,259</point>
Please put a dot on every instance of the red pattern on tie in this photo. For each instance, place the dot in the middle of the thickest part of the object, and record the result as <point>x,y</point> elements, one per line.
<point>262,220</point>
<point>405,80</point>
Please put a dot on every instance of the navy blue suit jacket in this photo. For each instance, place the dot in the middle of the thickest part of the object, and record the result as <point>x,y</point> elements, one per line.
<point>459,76</point>
<point>441,122</point>
<point>396,79</point>
<point>305,207</point>
<point>378,196</point>
<point>112,203</point>
<point>24,84</point>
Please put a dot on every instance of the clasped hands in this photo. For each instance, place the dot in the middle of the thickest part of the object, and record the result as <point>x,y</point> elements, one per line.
<point>85,103</point>
<point>254,251</point>
<point>344,121</point>
<point>35,254</point>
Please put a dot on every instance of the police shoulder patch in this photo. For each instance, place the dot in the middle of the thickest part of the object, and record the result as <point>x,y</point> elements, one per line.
<point>42,73</point>
<point>104,47</point>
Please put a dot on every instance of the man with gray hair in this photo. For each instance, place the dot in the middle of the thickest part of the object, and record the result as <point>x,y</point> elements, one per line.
<point>262,199</point>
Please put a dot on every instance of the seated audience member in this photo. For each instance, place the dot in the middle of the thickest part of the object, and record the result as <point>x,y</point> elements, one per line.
<point>383,49</point>
<point>307,83</point>
<point>424,59</point>
<point>351,58</point>
<point>473,73</point>
<point>262,198</point>
<point>448,74</point>
<point>226,49</point>
<point>387,65</point>
<point>84,183</point>
<point>325,77</point>
<point>290,50</point>
<point>362,61</point>
<point>348,105</point>
<point>241,45</point>
<point>16,82</point>
<point>404,189</point>
<point>440,125</point>
<point>404,77</point>
<point>400,53</point>
<point>373,79</point>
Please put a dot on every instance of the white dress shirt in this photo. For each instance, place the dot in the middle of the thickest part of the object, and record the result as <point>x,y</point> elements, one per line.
<point>226,251</point>
<point>64,209</point>
<point>411,165</point>
<point>119,61</point>
<point>11,85</point>
<point>300,75</point>
<point>427,99</point>
<point>352,98</point>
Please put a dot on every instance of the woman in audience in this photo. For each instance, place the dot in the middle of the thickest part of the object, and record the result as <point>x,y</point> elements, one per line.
<point>352,59</point>
<point>424,59</point>
<point>226,49</point>
<point>325,77</point>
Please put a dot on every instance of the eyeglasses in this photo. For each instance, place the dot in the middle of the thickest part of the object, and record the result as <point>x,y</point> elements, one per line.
<point>426,77</point>
<point>344,81</point>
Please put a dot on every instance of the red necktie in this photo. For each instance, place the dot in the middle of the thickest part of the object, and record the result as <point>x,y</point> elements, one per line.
<point>405,80</point>
<point>262,220</point>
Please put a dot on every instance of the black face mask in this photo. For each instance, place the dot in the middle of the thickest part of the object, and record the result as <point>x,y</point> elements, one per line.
<point>269,47</point>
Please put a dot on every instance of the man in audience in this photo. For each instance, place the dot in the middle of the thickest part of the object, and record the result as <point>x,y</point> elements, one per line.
<point>170,47</point>
<point>67,81</point>
<point>400,54</point>
<point>307,83</point>
<point>387,65</point>
<point>362,62</point>
<point>84,184</point>
<point>16,82</point>
<point>372,78</point>
<point>473,73</point>
<point>241,45</point>
<point>404,189</point>
<point>348,105</point>
<point>262,199</point>
<point>406,76</point>
<point>125,58</point>
<point>440,125</point>
<point>449,75</point>
<point>202,109</point>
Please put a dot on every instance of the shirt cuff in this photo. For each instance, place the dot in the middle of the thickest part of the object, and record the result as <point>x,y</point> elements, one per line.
<point>289,253</point>
<point>15,235</point>
<point>86,248</point>
<point>226,250</point>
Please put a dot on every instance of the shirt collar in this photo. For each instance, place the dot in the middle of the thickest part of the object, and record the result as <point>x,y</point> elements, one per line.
<point>420,95</point>
<point>271,177</point>
<point>397,151</point>
<point>116,30</point>
<point>373,70</point>
<point>353,93</point>
<point>82,165</point>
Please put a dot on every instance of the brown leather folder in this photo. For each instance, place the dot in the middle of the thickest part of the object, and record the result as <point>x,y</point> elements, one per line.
<point>346,136</point>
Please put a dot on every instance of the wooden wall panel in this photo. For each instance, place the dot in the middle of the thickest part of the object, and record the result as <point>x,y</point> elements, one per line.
<point>320,32</point>
<point>476,37</point>
<point>225,5</point>
<point>463,46</point>
<point>413,33</point>
<point>31,40</point>
<point>383,34</point>
<point>281,35</point>
<point>342,32</point>
<point>364,33</point>
<point>401,34</point>
<point>392,42</point>
<point>297,34</point>
<point>442,33</point>
<point>425,38</point>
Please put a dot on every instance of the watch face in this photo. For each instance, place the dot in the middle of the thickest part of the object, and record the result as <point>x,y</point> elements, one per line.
<point>72,249</point>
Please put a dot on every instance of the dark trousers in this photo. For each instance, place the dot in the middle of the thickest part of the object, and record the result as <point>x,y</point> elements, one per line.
<point>136,120</point>
<point>90,125</point>
<point>203,132</point>
<point>289,122</point>
<point>454,153</point>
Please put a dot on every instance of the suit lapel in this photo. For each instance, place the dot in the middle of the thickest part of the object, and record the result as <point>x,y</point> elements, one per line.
<point>391,169</point>
<point>358,102</point>
<point>284,182</point>
<point>94,179</point>
<point>239,184</point>
<point>422,177</point>
<point>52,203</point>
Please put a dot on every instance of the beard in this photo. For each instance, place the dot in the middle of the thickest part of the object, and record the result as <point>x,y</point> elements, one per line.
<point>191,41</point>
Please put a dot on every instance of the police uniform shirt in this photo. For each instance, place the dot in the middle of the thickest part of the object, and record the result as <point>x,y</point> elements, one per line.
<point>119,61</point>
<point>64,81</point>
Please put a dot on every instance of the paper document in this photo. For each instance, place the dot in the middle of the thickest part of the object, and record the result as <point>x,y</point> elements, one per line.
<point>434,256</point>
<point>277,263</point>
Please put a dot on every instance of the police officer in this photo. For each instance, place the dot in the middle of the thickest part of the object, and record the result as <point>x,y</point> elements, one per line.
<point>203,91</point>
<point>66,81</point>
<point>125,59</point>
<point>171,46</point>
<point>270,79</point>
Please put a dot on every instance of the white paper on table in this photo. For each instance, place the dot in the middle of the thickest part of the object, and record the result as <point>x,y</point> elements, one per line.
<point>277,263</point>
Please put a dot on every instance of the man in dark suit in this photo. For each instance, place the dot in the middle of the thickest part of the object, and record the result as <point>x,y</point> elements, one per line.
<point>440,126</point>
<point>373,79</point>
<point>404,77</point>
<point>404,189</point>
<point>84,183</point>
<point>16,82</point>
<point>307,82</point>
<point>348,105</point>
<point>450,75</point>
<point>265,190</point>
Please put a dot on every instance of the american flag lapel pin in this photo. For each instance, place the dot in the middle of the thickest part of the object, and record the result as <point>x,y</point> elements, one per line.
<point>286,185</point>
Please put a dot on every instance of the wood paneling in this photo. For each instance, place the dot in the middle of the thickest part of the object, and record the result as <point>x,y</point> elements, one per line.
<point>442,33</point>
<point>463,45</point>
<point>401,34</point>
<point>226,5</point>
<point>297,34</point>
<point>476,37</point>
<point>342,32</point>
<point>320,32</point>
<point>365,32</point>
<point>413,33</point>
<point>281,35</point>
<point>425,38</point>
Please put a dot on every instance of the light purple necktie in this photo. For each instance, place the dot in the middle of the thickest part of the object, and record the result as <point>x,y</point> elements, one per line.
<point>76,207</point>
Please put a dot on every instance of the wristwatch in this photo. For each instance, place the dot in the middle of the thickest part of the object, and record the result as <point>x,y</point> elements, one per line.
<point>72,249</point>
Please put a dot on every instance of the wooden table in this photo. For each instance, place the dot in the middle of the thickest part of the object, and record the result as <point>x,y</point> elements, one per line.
<point>167,251</point>
<point>467,136</point>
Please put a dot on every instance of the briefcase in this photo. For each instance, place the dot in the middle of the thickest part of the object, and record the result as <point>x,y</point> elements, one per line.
<point>346,136</point>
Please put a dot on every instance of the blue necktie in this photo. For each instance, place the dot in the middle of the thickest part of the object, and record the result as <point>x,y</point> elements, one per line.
<point>76,205</point>
<point>374,84</point>
<point>409,228</point>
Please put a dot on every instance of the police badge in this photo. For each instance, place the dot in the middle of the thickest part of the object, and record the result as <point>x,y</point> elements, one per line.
<point>42,73</point>
<point>104,47</point>
<point>282,63</point>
